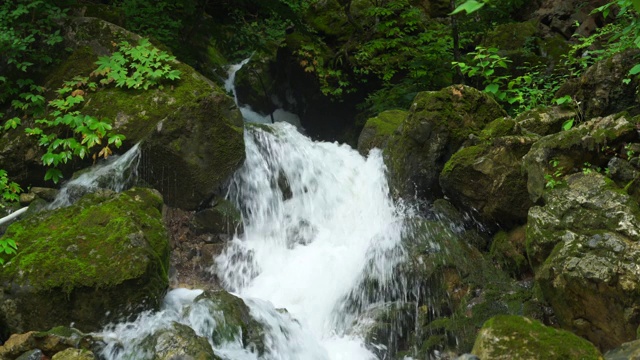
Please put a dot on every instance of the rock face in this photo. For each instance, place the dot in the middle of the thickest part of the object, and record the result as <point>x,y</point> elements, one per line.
<point>192,131</point>
<point>105,257</point>
<point>600,90</point>
<point>378,130</point>
<point>437,125</point>
<point>67,342</point>
<point>592,142</point>
<point>584,247</point>
<point>514,337</point>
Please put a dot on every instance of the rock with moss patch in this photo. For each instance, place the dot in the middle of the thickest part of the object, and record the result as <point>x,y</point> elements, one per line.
<point>545,121</point>
<point>515,337</point>
<point>378,129</point>
<point>96,261</point>
<point>439,122</point>
<point>47,342</point>
<point>508,250</point>
<point>222,219</point>
<point>74,354</point>
<point>487,179</point>
<point>232,320</point>
<point>588,145</point>
<point>600,91</point>
<point>177,342</point>
<point>584,247</point>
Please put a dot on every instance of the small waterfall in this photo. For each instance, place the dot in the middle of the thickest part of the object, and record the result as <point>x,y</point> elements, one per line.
<point>117,173</point>
<point>318,220</point>
<point>279,115</point>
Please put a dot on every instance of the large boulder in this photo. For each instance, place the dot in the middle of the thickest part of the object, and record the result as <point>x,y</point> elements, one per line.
<point>101,259</point>
<point>439,122</point>
<point>487,179</point>
<point>584,248</point>
<point>192,131</point>
<point>590,145</point>
<point>508,337</point>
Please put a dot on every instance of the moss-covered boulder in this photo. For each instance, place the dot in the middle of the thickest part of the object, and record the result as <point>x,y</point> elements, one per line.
<point>378,130</point>
<point>600,90</point>
<point>223,218</point>
<point>178,341</point>
<point>507,337</point>
<point>584,247</point>
<point>232,320</point>
<point>98,260</point>
<point>487,179</point>
<point>74,354</point>
<point>590,145</point>
<point>192,131</point>
<point>439,122</point>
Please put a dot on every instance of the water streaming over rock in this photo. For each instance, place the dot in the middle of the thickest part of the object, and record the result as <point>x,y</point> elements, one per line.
<point>319,229</point>
<point>117,173</point>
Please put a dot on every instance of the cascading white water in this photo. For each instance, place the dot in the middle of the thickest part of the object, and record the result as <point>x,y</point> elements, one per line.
<point>319,228</point>
<point>317,216</point>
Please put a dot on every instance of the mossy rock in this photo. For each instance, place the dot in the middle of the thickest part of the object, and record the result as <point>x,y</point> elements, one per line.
<point>177,342</point>
<point>439,122</point>
<point>583,246</point>
<point>74,354</point>
<point>515,337</point>
<point>222,218</point>
<point>573,148</point>
<point>98,260</point>
<point>192,131</point>
<point>232,319</point>
<point>378,129</point>
<point>487,179</point>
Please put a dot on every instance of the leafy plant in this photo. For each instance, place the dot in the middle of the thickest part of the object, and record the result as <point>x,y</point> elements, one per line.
<point>7,246</point>
<point>9,190</point>
<point>87,131</point>
<point>141,66</point>
<point>553,179</point>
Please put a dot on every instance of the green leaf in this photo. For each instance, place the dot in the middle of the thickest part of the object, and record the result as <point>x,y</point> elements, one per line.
<point>635,70</point>
<point>469,7</point>
<point>567,125</point>
<point>492,88</point>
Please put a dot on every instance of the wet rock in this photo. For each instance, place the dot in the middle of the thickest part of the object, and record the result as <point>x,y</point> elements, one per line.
<point>178,342</point>
<point>516,337</point>
<point>232,320</point>
<point>626,351</point>
<point>74,354</point>
<point>222,218</point>
<point>584,245</point>
<point>508,250</point>
<point>90,263</point>
<point>439,122</point>
<point>378,130</point>
<point>35,354</point>
<point>47,343</point>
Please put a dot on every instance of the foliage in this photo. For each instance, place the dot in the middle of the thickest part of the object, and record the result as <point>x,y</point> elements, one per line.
<point>554,178</point>
<point>87,131</point>
<point>135,67</point>
<point>9,190</point>
<point>29,33</point>
<point>7,246</point>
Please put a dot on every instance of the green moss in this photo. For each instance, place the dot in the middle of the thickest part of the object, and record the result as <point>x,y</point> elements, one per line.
<point>511,36</point>
<point>516,337</point>
<point>96,243</point>
<point>465,156</point>
<point>387,121</point>
<point>499,127</point>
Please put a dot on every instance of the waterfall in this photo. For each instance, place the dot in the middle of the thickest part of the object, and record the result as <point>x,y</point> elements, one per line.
<point>117,173</point>
<point>319,229</point>
<point>317,217</point>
